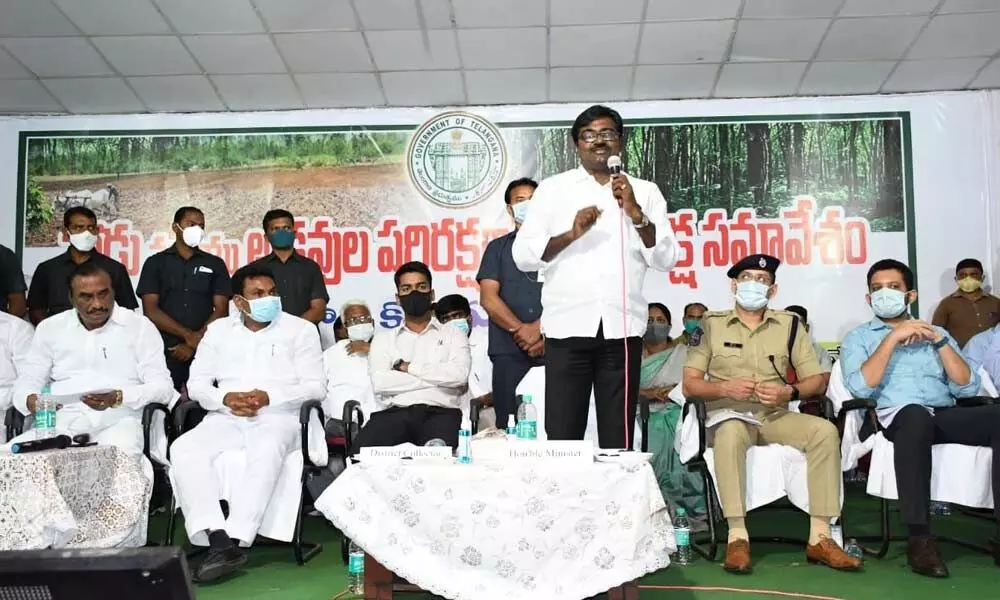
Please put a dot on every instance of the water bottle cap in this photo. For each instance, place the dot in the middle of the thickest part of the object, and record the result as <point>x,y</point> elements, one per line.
<point>526,399</point>
<point>681,512</point>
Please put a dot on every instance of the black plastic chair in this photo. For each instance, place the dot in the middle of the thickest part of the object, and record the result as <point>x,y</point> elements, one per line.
<point>352,409</point>
<point>872,426</point>
<point>821,405</point>
<point>187,415</point>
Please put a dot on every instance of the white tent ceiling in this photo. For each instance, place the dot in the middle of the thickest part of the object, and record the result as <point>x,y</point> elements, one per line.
<point>114,56</point>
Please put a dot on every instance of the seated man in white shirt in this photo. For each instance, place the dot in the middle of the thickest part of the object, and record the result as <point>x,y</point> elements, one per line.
<point>456,311</point>
<point>110,354</point>
<point>253,372</point>
<point>15,337</point>
<point>420,370</point>
<point>346,367</point>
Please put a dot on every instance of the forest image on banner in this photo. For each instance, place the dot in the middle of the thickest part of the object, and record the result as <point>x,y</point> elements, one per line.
<point>810,190</point>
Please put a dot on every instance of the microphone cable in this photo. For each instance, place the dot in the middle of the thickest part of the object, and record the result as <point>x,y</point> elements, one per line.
<point>615,166</point>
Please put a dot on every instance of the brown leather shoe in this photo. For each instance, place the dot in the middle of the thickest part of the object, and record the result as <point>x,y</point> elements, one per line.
<point>828,553</point>
<point>924,558</point>
<point>738,558</point>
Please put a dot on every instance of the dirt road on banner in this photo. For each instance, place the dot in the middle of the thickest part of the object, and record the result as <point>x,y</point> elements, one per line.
<point>355,195</point>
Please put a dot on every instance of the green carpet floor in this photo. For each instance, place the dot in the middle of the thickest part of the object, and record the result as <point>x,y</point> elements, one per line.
<point>273,575</point>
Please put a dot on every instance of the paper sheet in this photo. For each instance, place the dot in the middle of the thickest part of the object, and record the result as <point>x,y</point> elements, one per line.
<point>66,399</point>
<point>724,415</point>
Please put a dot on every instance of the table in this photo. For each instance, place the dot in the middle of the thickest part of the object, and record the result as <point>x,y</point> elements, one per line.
<point>90,497</point>
<point>517,529</point>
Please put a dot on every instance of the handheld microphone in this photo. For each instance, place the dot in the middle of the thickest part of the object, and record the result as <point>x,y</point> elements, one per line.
<point>615,164</point>
<point>54,443</point>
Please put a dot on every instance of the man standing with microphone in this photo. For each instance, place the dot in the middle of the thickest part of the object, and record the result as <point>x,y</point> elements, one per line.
<point>592,232</point>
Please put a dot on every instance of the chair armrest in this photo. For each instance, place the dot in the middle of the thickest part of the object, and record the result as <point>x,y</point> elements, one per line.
<point>352,408</point>
<point>864,404</point>
<point>305,411</point>
<point>13,423</point>
<point>701,413</point>
<point>475,407</point>
<point>975,401</point>
<point>185,411</point>
<point>823,405</point>
<point>148,412</point>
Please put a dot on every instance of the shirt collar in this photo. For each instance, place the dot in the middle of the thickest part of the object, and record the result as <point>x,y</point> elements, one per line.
<point>735,316</point>
<point>117,318</point>
<point>238,321</point>
<point>172,249</point>
<point>433,324</point>
<point>273,256</point>
<point>583,175</point>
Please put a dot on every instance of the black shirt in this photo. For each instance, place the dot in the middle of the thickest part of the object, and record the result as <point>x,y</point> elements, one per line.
<point>49,290</point>
<point>187,288</point>
<point>299,281</point>
<point>11,276</point>
<point>520,291</point>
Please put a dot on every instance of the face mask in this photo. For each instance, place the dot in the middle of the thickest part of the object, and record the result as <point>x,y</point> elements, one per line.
<point>416,304</point>
<point>657,332</point>
<point>282,239</point>
<point>751,295</point>
<point>83,241</point>
<point>969,285</point>
<point>690,325</point>
<point>520,211</point>
<point>461,325</point>
<point>193,235</point>
<point>266,309</point>
<point>362,332</point>
<point>888,303</point>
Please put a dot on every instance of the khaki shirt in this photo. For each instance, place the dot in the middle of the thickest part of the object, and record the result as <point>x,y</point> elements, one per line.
<point>963,317</point>
<point>727,349</point>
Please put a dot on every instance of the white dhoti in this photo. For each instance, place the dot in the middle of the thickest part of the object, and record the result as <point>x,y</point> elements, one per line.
<point>266,441</point>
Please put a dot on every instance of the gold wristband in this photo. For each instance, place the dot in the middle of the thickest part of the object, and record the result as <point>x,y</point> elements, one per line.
<point>118,399</point>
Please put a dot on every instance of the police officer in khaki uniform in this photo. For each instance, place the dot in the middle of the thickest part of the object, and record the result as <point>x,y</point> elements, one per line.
<point>745,353</point>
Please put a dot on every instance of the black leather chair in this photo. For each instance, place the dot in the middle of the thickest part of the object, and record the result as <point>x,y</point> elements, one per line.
<point>188,414</point>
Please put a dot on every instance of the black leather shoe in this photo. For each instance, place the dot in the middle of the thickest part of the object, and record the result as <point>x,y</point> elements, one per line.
<point>218,564</point>
<point>924,558</point>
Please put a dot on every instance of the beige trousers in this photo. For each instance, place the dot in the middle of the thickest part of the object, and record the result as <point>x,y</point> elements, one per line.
<point>814,436</point>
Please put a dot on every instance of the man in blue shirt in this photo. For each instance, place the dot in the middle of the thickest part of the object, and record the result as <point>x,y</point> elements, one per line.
<point>914,371</point>
<point>983,350</point>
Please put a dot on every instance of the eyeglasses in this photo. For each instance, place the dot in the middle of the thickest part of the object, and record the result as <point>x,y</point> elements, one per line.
<point>359,320</point>
<point>758,277</point>
<point>605,135</point>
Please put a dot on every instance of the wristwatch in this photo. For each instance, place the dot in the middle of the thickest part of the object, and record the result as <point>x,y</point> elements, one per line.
<point>643,223</point>
<point>940,343</point>
<point>795,393</point>
<point>395,365</point>
<point>118,399</point>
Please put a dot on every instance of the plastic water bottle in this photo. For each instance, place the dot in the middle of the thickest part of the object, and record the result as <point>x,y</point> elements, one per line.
<point>527,419</point>
<point>854,549</point>
<point>464,442</point>
<point>511,428</point>
<point>837,534</point>
<point>356,570</point>
<point>682,535</point>
<point>940,508</point>
<point>45,415</point>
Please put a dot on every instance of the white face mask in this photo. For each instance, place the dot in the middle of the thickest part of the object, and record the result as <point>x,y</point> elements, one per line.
<point>362,332</point>
<point>193,235</point>
<point>83,241</point>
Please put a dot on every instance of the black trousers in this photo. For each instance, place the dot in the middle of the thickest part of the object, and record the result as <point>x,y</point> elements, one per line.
<point>179,371</point>
<point>574,366</point>
<point>914,430</point>
<point>417,424</point>
<point>508,371</point>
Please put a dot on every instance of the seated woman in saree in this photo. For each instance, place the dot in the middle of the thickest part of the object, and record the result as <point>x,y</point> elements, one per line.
<point>661,371</point>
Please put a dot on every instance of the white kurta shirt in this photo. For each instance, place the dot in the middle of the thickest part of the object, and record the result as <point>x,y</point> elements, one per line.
<point>438,360</point>
<point>583,283</point>
<point>283,359</point>
<point>15,338</point>
<point>347,378</point>
<point>125,354</point>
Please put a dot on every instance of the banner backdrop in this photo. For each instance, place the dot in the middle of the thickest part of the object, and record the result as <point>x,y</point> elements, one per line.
<point>828,194</point>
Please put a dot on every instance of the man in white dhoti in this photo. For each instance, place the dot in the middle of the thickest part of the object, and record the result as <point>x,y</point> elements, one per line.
<point>253,372</point>
<point>15,337</point>
<point>112,356</point>
<point>346,367</point>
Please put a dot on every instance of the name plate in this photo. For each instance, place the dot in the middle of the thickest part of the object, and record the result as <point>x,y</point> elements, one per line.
<point>376,453</point>
<point>581,451</point>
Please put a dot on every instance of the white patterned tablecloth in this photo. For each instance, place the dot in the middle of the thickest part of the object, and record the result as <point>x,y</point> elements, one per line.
<point>526,530</point>
<point>90,497</point>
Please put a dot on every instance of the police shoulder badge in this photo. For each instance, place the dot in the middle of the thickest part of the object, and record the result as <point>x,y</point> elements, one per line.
<point>696,336</point>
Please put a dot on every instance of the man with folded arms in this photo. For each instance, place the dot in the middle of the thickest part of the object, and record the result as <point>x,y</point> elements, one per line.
<point>914,371</point>
<point>111,355</point>
<point>253,371</point>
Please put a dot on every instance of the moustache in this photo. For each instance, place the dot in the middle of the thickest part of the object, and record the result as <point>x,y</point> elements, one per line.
<point>97,311</point>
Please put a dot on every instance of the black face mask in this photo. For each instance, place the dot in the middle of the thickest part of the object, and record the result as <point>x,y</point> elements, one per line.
<point>416,304</point>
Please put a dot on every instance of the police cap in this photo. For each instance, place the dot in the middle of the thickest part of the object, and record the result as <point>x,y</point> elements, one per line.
<point>758,262</point>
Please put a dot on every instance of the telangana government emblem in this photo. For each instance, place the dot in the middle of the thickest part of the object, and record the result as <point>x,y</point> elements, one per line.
<point>456,159</point>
